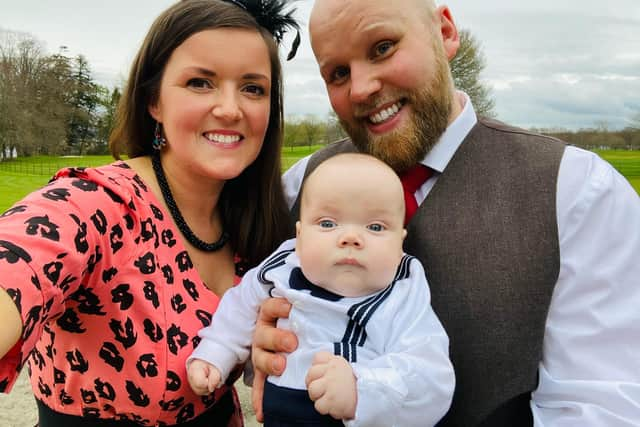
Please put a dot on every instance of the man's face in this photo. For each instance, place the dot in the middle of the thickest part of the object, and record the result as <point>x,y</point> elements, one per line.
<point>390,84</point>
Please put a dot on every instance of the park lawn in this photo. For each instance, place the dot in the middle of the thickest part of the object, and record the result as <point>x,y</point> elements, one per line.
<point>16,186</point>
<point>626,162</point>
<point>23,175</point>
<point>35,172</point>
<point>290,155</point>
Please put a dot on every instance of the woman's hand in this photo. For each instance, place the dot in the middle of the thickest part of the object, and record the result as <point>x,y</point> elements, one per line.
<point>267,340</point>
<point>10,323</point>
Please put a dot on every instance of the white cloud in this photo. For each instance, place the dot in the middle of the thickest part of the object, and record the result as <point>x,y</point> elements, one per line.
<point>507,84</point>
<point>619,77</point>
<point>570,63</point>
<point>569,79</point>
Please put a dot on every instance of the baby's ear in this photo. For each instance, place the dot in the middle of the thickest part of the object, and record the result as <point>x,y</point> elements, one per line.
<point>404,233</point>
<point>297,248</point>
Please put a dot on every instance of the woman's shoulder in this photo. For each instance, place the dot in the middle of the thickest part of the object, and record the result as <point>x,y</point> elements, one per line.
<point>116,181</point>
<point>112,175</point>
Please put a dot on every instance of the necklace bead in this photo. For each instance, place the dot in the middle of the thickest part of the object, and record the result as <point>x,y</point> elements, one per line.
<point>177,215</point>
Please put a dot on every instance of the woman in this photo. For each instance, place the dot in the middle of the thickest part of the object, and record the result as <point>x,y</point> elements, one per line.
<point>107,274</point>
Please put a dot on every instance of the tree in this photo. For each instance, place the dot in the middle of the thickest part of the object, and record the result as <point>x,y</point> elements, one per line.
<point>58,79</point>
<point>334,131</point>
<point>108,103</point>
<point>50,103</point>
<point>466,68</point>
<point>311,129</point>
<point>25,122</point>
<point>291,132</point>
<point>5,98</point>
<point>83,102</point>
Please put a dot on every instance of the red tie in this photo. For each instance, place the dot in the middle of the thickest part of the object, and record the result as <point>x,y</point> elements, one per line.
<point>411,181</point>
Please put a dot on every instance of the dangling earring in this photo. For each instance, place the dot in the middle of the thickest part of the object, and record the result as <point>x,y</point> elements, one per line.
<point>159,141</point>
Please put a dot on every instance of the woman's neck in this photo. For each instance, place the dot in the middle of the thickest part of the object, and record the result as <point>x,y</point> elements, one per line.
<point>195,196</point>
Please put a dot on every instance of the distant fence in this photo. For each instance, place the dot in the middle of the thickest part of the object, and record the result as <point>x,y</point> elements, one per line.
<point>49,165</point>
<point>29,168</point>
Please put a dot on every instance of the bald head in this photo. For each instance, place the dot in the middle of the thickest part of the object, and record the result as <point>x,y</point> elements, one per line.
<point>326,10</point>
<point>356,174</point>
<point>335,5</point>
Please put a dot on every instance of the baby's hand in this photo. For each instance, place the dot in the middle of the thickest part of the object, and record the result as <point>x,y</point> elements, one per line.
<point>332,386</point>
<point>203,377</point>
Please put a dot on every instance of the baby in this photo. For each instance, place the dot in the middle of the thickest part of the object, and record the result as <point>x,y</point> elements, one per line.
<point>371,350</point>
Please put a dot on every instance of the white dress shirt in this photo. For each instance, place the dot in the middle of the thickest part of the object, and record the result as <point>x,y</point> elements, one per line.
<point>590,369</point>
<point>401,362</point>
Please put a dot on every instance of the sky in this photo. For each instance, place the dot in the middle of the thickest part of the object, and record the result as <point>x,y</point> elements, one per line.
<point>549,63</point>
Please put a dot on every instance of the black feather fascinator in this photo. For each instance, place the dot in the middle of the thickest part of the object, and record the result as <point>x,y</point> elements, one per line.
<point>272,16</point>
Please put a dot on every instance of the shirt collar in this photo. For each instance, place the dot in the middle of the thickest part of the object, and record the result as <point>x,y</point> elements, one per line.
<point>439,156</point>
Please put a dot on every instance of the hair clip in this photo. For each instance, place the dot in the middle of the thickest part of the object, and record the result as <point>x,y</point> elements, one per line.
<point>271,15</point>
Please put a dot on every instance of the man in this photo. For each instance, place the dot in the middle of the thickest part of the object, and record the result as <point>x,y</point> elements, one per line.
<point>530,246</point>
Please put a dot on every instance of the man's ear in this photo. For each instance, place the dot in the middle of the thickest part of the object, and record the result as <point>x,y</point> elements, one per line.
<point>449,32</point>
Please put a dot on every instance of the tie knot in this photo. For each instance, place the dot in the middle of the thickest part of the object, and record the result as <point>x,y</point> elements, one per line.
<point>413,178</point>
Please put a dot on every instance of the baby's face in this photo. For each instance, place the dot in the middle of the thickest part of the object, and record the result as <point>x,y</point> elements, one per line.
<point>351,231</point>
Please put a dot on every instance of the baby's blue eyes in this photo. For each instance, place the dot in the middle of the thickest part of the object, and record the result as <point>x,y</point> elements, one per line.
<point>375,227</point>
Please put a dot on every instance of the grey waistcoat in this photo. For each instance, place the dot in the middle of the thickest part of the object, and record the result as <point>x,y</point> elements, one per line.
<point>487,236</point>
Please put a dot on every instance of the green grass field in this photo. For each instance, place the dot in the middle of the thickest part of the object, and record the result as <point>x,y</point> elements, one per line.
<point>627,163</point>
<point>21,176</point>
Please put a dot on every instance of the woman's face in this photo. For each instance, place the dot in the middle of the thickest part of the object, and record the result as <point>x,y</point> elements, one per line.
<point>214,102</point>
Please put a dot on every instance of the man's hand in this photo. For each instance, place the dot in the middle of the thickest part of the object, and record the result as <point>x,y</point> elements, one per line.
<point>332,386</point>
<point>203,377</point>
<point>268,339</point>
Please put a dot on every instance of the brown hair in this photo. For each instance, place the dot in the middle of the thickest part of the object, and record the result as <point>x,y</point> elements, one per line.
<point>252,205</point>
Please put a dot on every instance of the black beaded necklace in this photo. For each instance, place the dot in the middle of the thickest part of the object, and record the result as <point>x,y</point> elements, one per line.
<point>177,216</point>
